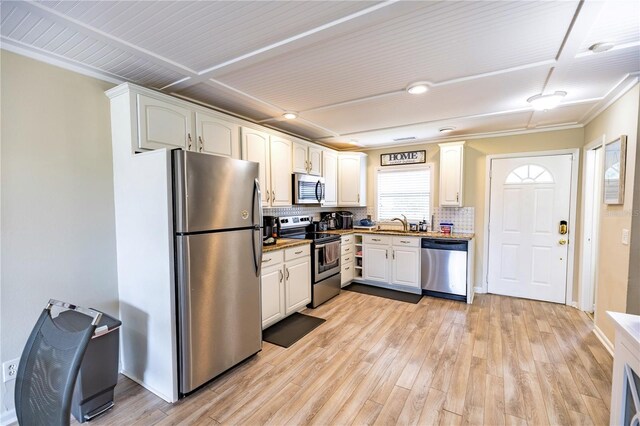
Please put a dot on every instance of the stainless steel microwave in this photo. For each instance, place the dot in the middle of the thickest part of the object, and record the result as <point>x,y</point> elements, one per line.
<point>307,189</point>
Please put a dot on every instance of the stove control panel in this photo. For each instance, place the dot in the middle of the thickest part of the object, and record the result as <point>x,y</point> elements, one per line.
<point>294,221</point>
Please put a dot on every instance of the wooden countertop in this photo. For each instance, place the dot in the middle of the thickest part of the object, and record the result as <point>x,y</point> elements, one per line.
<point>435,235</point>
<point>284,243</point>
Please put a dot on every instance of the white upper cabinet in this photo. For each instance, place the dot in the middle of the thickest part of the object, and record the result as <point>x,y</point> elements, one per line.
<point>352,180</point>
<point>280,171</point>
<point>163,124</point>
<point>255,147</point>
<point>330,174</point>
<point>300,161</point>
<point>307,159</point>
<point>217,136</point>
<point>451,179</point>
<point>315,160</point>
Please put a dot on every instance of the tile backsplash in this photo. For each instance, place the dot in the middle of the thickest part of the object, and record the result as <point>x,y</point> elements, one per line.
<point>314,211</point>
<point>461,217</point>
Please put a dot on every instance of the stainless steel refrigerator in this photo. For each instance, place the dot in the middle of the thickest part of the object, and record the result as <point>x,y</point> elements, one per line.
<point>218,215</point>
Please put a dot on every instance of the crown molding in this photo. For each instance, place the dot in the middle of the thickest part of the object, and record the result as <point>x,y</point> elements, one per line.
<point>57,61</point>
<point>498,134</point>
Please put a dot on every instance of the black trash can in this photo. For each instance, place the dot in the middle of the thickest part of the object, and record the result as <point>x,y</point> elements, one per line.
<point>98,376</point>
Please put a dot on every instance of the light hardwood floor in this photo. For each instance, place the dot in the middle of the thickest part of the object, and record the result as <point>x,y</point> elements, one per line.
<point>377,361</point>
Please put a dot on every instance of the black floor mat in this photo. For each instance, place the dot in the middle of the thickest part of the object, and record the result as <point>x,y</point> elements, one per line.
<point>384,292</point>
<point>291,329</point>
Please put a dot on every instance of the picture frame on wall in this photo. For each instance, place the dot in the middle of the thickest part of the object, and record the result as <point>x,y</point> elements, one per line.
<point>615,153</point>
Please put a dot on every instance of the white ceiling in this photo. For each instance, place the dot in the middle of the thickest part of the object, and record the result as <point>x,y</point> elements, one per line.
<point>344,65</point>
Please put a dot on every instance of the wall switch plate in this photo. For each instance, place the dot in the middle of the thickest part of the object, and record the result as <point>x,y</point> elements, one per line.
<point>10,370</point>
<point>625,237</point>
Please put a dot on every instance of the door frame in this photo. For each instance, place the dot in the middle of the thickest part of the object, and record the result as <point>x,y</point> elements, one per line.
<point>586,287</point>
<point>572,213</point>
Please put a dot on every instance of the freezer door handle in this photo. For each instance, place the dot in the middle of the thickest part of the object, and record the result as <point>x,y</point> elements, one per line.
<point>256,211</point>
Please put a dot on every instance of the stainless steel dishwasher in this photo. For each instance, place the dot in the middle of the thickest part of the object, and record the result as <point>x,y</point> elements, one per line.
<point>444,268</point>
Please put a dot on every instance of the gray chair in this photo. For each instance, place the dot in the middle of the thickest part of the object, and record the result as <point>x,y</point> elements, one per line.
<point>49,367</point>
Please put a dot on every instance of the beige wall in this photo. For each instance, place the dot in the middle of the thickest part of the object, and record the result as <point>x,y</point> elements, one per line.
<point>57,223</point>
<point>476,151</point>
<point>621,118</point>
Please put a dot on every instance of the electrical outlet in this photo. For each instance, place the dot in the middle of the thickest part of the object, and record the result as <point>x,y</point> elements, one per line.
<point>625,237</point>
<point>10,370</point>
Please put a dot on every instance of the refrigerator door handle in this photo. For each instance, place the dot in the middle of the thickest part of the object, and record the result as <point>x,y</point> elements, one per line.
<point>257,195</point>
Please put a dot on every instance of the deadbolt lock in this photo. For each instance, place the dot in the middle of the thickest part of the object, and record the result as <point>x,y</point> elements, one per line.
<point>563,227</point>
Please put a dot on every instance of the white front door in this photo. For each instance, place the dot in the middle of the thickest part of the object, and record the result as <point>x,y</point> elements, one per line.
<point>530,197</point>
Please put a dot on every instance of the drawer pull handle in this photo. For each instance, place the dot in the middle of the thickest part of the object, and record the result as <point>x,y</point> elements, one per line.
<point>347,249</point>
<point>347,268</point>
<point>375,239</point>
<point>347,259</point>
<point>405,242</point>
<point>298,252</point>
<point>266,260</point>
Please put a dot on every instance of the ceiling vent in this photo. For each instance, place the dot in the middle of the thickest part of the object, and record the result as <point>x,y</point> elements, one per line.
<point>409,138</point>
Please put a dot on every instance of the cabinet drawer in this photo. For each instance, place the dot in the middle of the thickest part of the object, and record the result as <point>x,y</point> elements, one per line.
<point>346,273</point>
<point>347,258</point>
<point>350,249</point>
<point>296,252</point>
<point>272,258</point>
<point>347,239</point>
<point>377,239</point>
<point>406,241</point>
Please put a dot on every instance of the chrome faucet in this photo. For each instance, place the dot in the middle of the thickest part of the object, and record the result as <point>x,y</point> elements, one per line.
<point>405,224</point>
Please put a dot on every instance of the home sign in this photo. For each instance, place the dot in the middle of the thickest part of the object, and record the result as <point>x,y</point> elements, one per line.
<point>401,158</point>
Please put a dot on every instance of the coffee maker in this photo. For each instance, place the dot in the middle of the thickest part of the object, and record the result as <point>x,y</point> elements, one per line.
<point>269,230</point>
<point>344,219</point>
<point>331,219</point>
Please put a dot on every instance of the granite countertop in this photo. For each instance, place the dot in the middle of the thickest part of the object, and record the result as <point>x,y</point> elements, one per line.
<point>284,243</point>
<point>438,235</point>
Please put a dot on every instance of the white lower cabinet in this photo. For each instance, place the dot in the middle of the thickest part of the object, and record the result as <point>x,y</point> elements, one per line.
<point>272,295</point>
<point>297,285</point>
<point>285,283</point>
<point>391,261</point>
<point>376,263</point>
<point>405,269</point>
<point>347,260</point>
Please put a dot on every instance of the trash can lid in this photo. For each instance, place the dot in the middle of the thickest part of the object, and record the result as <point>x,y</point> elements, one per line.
<point>76,321</point>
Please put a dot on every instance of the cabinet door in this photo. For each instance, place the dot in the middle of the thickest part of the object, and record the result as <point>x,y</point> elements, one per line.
<point>330,174</point>
<point>216,136</point>
<point>406,266</point>
<point>280,172</point>
<point>348,180</point>
<point>163,125</point>
<point>376,263</point>
<point>255,147</point>
<point>272,286</point>
<point>315,161</point>
<point>451,159</point>
<point>297,284</point>
<point>300,160</point>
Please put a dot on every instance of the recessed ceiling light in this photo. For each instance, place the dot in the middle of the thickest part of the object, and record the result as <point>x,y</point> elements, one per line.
<point>418,87</point>
<point>542,102</point>
<point>354,141</point>
<point>290,115</point>
<point>601,47</point>
<point>447,129</point>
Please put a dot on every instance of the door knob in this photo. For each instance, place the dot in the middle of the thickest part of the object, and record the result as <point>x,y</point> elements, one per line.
<point>562,242</point>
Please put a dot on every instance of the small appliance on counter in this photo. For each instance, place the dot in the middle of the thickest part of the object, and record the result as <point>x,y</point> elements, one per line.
<point>269,230</point>
<point>330,219</point>
<point>344,219</point>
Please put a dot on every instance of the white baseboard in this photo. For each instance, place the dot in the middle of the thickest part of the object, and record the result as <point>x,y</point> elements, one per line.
<point>479,290</point>
<point>603,339</point>
<point>573,304</point>
<point>147,387</point>
<point>8,417</point>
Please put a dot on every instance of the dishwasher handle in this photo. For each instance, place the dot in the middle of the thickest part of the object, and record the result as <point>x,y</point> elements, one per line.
<point>428,243</point>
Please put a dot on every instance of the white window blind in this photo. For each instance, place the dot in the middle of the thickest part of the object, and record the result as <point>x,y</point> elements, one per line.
<point>405,192</point>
